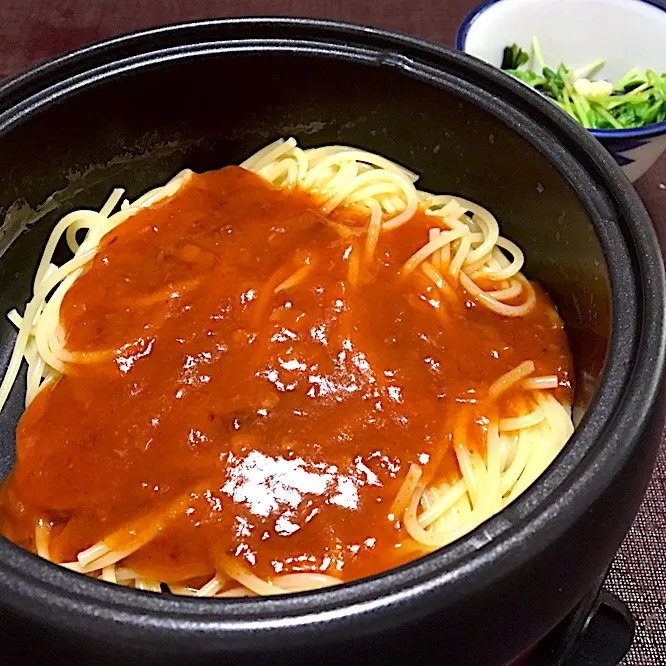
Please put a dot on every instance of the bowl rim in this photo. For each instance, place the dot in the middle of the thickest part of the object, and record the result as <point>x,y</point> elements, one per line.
<point>646,132</point>
<point>38,586</point>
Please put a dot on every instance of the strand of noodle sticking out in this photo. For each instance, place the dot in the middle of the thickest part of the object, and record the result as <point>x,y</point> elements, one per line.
<point>234,580</point>
<point>463,250</point>
<point>103,560</point>
<point>515,458</point>
<point>464,243</point>
<point>39,338</point>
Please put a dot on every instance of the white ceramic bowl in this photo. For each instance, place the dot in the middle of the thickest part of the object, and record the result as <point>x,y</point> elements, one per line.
<point>627,33</point>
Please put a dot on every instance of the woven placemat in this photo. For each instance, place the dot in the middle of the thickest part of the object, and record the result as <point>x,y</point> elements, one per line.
<point>638,575</point>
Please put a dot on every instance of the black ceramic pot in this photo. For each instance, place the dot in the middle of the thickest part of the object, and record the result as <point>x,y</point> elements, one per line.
<point>134,110</point>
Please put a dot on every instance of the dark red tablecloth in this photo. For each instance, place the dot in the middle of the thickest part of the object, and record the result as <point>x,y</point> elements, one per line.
<point>33,30</point>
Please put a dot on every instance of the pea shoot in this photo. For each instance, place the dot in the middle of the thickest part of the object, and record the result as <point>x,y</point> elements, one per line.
<point>636,100</point>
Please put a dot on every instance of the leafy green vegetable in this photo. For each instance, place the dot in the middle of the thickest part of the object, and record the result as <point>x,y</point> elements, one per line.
<point>636,100</point>
<point>529,77</point>
<point>553,85</point>
<point>514,57</point>
<point>630,80</point>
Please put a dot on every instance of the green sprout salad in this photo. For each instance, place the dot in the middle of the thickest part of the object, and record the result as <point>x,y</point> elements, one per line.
<point>636,100</point>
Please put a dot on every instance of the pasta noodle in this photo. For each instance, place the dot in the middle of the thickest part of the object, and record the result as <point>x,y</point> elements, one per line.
<point>463,257</point>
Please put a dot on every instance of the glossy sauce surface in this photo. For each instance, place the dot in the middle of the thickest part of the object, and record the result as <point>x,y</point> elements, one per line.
<point>249,416</point>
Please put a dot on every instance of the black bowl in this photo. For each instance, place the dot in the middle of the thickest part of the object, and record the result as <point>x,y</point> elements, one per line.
<point>134,110</point>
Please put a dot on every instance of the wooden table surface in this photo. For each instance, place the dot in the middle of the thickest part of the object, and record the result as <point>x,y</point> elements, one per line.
<point>34,30</point>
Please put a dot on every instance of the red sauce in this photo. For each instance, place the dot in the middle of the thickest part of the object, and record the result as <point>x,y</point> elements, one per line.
<point>276,427</point>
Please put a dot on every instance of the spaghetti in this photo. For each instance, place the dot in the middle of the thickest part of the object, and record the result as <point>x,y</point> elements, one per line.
<point>387,379</point>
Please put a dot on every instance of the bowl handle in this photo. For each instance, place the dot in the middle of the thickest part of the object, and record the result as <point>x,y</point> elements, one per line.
<point>598,632</point>
<point>606,635</point>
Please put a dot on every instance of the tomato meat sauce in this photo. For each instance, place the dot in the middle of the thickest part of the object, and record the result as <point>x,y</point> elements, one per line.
<point>243,384</point>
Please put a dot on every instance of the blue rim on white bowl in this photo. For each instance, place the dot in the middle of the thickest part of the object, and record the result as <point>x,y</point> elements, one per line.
<point>634,149</point>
